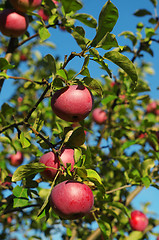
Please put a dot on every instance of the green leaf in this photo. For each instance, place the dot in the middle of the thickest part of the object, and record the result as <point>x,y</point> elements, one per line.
<point>106,22</point>
<point>146,165</point>
<point>100,60</point>
<point>128,144</point>
<point>105,228</point>
<point>108,99</point>
<point>5,65</point>
<point>79,35</point>
<point>75,137</point>
<point>44,33</point>
<point>93,85</point>
<point>129,35</point>
<point>87,19</point>
<point>146,181</point>
<point>124,63</point>
<point>107,42</point>
<point>3,74</point>
<point>135,235</point>
<point>24,140</point>
<point>121,207</point>
<point>92,174</point>
<point>21,195</point>
<point>71,5</point>
<point>49,59</point>
<point>27,170</point>
<point>81,172</point>
<point>142,13</point>
<point>7,110</point>
<point>154,2</point>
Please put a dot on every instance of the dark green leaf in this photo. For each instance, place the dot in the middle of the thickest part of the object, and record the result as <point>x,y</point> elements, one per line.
<point>49,59</point>
<point>107,42</point>
<point>93,85</point>
<point>142,12</point>
<point>120,206</point>
<point>106,22</point>
<point>105,228</point>
<point>154,2</point>
<point>124,63</point>
<point>79,35</point>
<point>71,5</point>
<point>5,65</point>
<point>27,170</point>
<point>86,19</point>
<point>7,109</point>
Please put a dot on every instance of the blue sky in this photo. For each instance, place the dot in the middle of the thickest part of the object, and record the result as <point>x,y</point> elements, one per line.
<point>65,44</point>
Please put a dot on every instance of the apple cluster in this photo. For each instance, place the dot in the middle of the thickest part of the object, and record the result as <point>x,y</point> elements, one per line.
<point>70,199</point>
<point>14,22</point>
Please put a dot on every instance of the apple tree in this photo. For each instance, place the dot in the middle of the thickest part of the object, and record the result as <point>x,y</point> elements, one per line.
<point>75,150</point>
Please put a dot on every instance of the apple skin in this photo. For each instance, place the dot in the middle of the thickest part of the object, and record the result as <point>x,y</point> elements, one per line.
<point>72,103</point>
<point>138,221</point>
<point>25,5</point>
<point>67,156</point>
<point>41,13</point>
<point>99,116</point>
<point>152,107</point>
<point>16,159</point>
<point>71,199</point>
<point>50,159</point>
<point>12,23</point>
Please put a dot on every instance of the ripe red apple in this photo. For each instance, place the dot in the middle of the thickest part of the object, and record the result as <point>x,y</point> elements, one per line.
<point>153,107</point>
<point>157,238</point>
<point>138,221</point>
<point>23,57</point>
<point>43,14</point>
<point>67,156</point>
<point>99,116</point>
<point>24,5</point>
<point>12,23</point>
<point>71,199</point>
<point>72,103</point>
<point>16,159</point>
<point>143,135</point>
<point>50,159</point>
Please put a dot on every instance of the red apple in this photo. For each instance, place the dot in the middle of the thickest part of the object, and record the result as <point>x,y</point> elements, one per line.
<point>71,199</point>
<point>99,116</point>
<point>157,238</point>
<point>138,221</point>
<point>72,103</point>
<point>151,107</point>
<point>24,5</point>
<point>67,156</point>
<point>23,57</point>
<point>43,14</point>
<point>16,159</point>
<point>12,23</point>
<point>142,135</point>
<point>50,159</point>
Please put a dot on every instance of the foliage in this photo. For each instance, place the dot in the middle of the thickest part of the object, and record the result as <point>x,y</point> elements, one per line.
<point>108,161</point>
